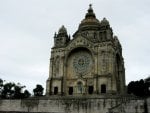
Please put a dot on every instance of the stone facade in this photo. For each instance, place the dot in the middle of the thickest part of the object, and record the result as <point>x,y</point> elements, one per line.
<point>86,75</point>
<point>89,63</point>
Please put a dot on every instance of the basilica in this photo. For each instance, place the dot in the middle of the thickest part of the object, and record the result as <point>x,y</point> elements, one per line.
<point>86,75</point>
<point>90,63</point>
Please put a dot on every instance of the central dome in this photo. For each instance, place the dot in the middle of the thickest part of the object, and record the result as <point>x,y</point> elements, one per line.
<point>90,21</point>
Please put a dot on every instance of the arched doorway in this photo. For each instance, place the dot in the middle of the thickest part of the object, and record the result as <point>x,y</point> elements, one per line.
<point>80,87</point>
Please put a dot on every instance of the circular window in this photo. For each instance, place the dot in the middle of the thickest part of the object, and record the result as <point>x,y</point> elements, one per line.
<point>82,62</point>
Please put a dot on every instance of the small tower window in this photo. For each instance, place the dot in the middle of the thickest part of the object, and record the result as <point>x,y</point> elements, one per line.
<point>55,90</point>
<point>90,89</point>
<point>103,88</point>
<point>70,90</point>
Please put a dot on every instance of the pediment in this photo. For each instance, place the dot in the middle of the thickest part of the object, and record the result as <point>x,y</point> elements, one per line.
<point>80,42</point>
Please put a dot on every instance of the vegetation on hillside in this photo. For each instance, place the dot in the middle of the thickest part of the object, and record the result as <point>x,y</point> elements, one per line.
<point>10,90</point>
<point>38,91</point>
<point>139,88</point>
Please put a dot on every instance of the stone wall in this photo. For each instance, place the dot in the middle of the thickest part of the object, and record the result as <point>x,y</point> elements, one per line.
<point>75,105</point>
<point>131,106</point>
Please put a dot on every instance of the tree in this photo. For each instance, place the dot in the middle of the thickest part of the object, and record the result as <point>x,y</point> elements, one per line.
<point>26,94</point>
<point>12,91</point>
<point>7,91</point>
<point>139,88</point>
<point>1,87</point>
<point>18,91</point>
<point>1,82</point>
<point>147,86</point>
<point>38,91</point>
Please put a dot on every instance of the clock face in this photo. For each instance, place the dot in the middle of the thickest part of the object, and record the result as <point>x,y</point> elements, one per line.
<point>82,62</point>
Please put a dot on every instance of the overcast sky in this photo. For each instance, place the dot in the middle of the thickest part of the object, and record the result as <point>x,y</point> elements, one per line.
<point>27,28</point>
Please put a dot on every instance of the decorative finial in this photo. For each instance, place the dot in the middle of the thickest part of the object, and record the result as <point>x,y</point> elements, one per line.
<point>90,5</point>
<point>90,12</point>
<point>90,8</point>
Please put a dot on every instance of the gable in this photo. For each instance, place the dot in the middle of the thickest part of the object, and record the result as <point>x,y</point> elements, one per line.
<point>80,41</point>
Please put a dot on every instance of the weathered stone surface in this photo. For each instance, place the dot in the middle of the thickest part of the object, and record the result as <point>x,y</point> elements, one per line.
<point>86,104</point>
<point>90,63</point>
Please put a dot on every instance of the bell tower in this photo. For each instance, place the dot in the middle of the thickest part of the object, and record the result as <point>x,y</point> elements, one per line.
<point>91,63</point>
<point>61,39</point>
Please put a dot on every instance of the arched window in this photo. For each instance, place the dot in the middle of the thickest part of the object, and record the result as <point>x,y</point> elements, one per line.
<point>57,66</point>
<point>103,88</point>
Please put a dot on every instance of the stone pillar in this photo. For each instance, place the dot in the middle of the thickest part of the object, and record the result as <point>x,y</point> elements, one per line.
<point>64,77</point>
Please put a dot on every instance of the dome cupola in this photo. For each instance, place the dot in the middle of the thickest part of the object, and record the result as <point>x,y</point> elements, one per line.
<point>90,22</point>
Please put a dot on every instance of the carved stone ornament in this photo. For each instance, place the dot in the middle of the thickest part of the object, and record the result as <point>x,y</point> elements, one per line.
<point>82,63</point>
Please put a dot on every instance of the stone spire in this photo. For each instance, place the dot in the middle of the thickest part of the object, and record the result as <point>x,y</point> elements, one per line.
<point>62,38</point>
